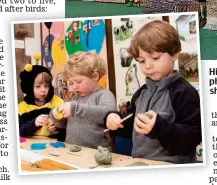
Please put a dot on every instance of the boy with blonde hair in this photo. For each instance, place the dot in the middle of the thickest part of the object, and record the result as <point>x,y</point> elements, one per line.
<point>166,121</point>
<point>83,115</point>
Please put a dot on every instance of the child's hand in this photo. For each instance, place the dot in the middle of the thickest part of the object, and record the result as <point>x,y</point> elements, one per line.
<point>51,125</point>
<point>56,114</point>
<point>114,122</point>
<point>41,120</point>
<point>144,123</point>
<point>65,109</point>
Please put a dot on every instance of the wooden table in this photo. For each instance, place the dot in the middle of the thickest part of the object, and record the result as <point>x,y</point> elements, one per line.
<point>85,158</point>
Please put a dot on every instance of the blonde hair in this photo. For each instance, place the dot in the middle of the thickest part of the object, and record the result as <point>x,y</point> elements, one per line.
<point>156,36</point>
<point>84,63</point>
<point>43,78</point>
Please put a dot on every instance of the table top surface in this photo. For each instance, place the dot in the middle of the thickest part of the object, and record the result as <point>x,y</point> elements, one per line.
<point>83,159</point>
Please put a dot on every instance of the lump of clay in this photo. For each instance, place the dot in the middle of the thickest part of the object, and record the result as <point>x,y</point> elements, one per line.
<point>103,155</point>
<point>75,148</point>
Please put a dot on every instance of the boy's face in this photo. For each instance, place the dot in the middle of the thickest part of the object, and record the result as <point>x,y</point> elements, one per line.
<point>82,85</point>
<point>40,91</point>
<point>156,65</point>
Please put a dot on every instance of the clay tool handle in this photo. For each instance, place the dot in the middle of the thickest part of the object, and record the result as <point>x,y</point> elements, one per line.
<point>124,119</point>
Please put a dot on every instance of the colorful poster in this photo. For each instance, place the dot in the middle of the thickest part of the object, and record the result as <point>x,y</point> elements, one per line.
<point>85,35</point>
<point>62,39</point>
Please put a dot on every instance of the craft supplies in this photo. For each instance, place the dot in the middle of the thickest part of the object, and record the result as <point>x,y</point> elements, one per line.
<point>58,144</point>
<point>38,146</point>
<point>53,151</point>
<point>46,166</point>
<point>31,169</point>
<point>103,155</point>
<point>22,139</point>
<point>57,164</point>
<point>75,148</point>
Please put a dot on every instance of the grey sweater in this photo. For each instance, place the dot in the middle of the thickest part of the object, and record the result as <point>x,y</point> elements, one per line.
<point>177,129</point>
<point>85,125</point>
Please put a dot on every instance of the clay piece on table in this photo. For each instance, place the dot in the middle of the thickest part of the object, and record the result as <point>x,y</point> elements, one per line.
<point>103,155</point>
<point>75,148</point>
<point>53,151</point>
<point>137,164</point>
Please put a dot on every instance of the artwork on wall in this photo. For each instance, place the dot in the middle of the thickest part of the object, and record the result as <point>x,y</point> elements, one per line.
<point>125,58</point>
<point>186,27</point>
<point>87,35</point>
<point>47,46</point>
<point>187,62</point>
<point>188,66</point>
<point>53,49</point>
<point>62,39</point>
<point>188,6</point>
<point>131,80</point>
<point>124,31</point>
<point>126,68</point>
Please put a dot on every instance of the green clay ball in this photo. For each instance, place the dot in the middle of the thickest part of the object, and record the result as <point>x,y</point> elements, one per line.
<point>103,155</point>
<point>75,148</point>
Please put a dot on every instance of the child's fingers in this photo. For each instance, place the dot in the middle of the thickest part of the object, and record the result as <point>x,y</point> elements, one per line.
<point>138,129</point>
<point>44,116</point>
<point>50,123</point>
<point>143,118</point>
<point>114,122</point>
<point>140,123</point>
<point>40,123</point>
<point>44,121</point>
<point>117,121</point>
<point>114,127</point>
<point>65,115</point>
<point>61,108</point>
<point>117,124</point>
<point>52,128</point>
<point>151,114</point>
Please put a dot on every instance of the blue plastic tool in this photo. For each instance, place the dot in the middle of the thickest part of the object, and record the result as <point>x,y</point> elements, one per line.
<point>38,146</point>
<point>58,145</point>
